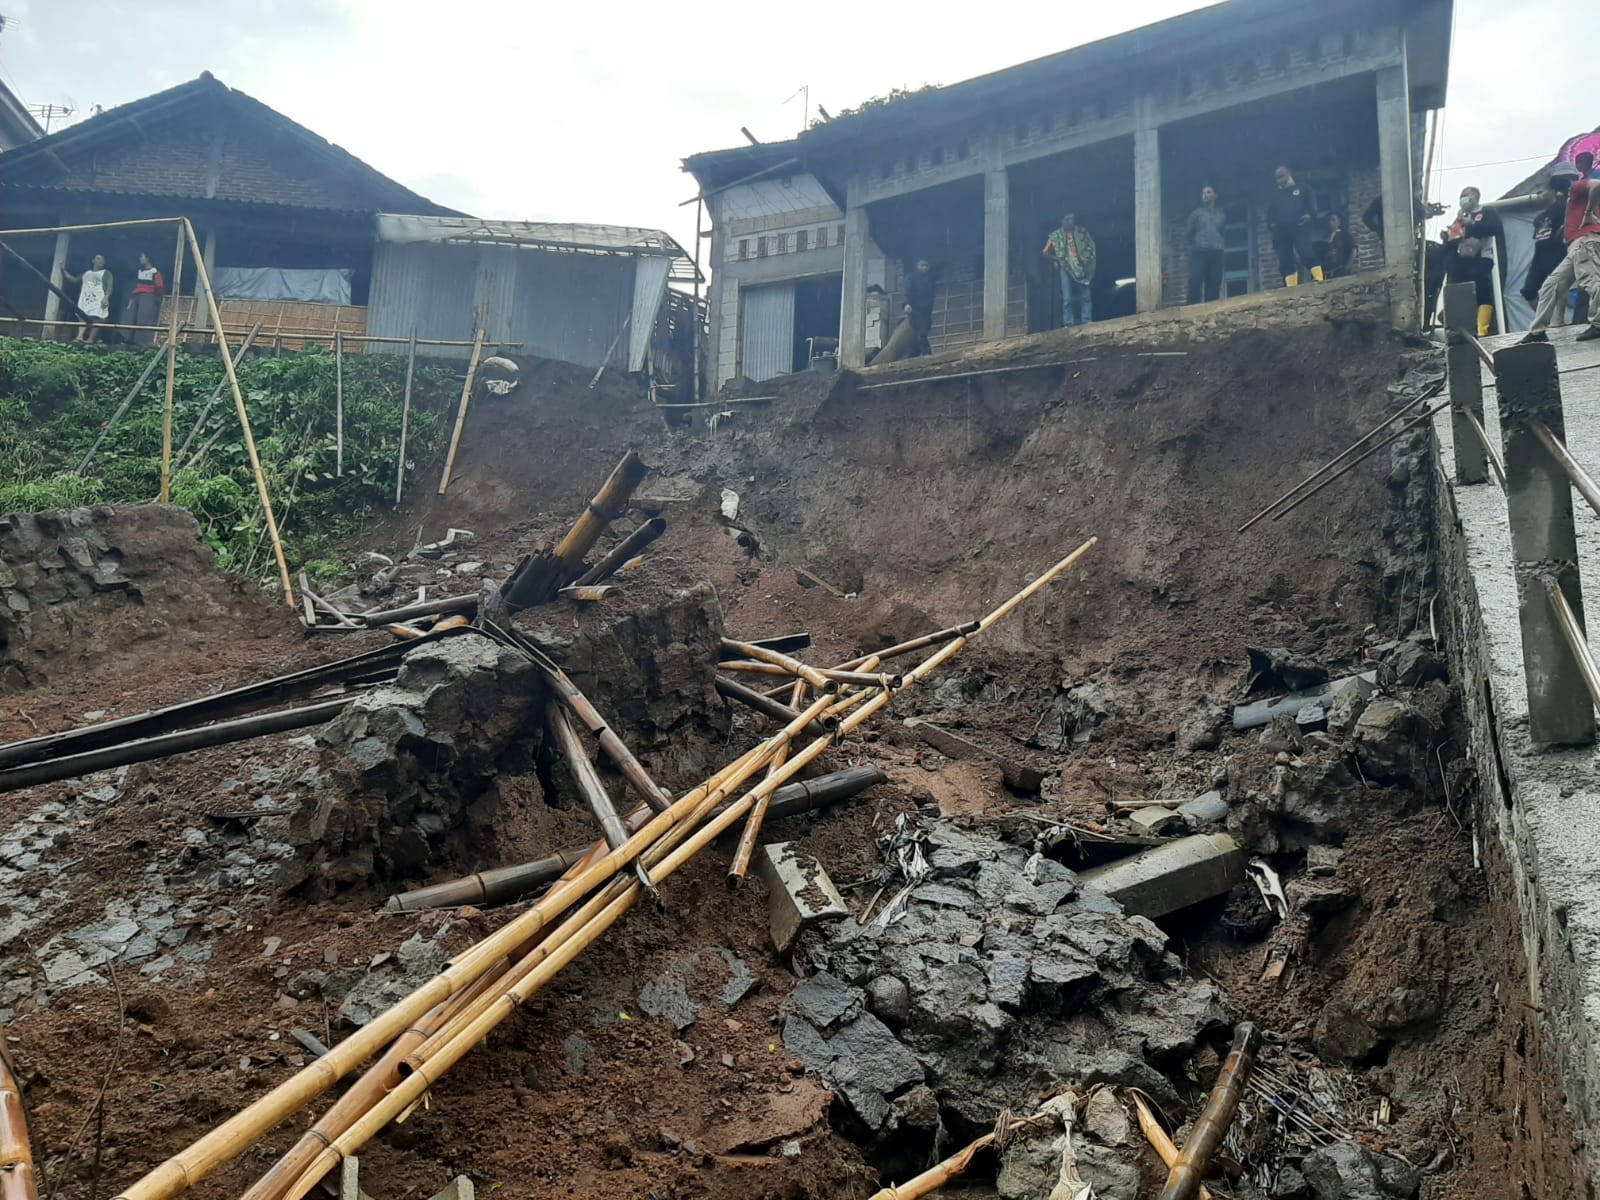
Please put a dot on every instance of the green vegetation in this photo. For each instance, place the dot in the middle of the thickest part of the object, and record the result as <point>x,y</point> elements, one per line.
<point>894,95</point>
<point>55,399</point>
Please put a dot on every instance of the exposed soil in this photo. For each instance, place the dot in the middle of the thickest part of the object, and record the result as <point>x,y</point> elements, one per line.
<point>920,506</point>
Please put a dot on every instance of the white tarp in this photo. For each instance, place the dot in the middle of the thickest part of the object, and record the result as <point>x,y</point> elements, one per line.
<point>649,286</point>
<point>314,286</point>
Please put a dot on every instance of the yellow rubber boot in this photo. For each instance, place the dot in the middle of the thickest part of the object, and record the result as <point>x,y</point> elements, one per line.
<point>1316,273</point>
<point>1291,281</point>
<point>1485,319</point>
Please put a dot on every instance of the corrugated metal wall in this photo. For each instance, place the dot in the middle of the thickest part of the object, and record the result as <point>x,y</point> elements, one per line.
<point>562,306</point>
<point>767,341</point>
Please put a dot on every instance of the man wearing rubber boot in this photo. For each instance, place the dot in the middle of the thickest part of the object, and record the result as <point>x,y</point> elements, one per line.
<point>1292,219</point>
<point>1476,246</point>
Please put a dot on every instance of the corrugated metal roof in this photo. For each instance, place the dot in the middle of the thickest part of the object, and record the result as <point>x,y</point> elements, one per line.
<point>406,229</point>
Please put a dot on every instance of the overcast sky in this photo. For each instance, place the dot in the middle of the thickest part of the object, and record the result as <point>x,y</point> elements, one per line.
<point>544,110</point>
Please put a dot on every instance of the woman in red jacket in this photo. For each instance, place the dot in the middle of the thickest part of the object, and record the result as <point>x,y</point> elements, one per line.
<point>144,303</point>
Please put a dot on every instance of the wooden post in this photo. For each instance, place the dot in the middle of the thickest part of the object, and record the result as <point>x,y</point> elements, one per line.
<point>338,402</point>
<point>176,292</point>
<point>461,415</point>
<point>244,416</point>
<point>405,420</point>
<point>122,408</point>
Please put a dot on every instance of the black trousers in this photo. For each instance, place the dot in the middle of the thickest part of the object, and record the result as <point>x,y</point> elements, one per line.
<point>921,326</point>
<point>1297,251</point>
<point>1205,276</point>
<point>1477,271</point>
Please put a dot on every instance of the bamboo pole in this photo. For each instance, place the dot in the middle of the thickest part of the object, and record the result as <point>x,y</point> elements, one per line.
<point>302,333</point>
<point>763,704</point>
<point>244,417</point>
<point>1183,1179</point>
<point>405,420</point>
<point>831,679</point>
<point>629,546</point>
<point>657,797</point>
<point>16,1153</point>
<point>609,503</point>
<point>216,392</point>
<point>338,402</point>
<point>127,401</point>
<point>172,371</point>
<point>585,776</point>
<point>1157,1136</point>
<point>917,643</point>
<point>99,225</point>
<point>758,813</point>
<point>765,657</point>
<point>461,415</point>
<point>677,829</point>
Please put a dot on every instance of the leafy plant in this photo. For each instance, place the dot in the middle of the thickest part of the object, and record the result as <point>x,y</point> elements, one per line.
<point>56,399</point>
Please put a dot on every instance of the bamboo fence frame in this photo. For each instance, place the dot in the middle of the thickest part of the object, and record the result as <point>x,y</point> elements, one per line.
<point>172,368</point>
<point>16,1152</point>
<point>661,846</point>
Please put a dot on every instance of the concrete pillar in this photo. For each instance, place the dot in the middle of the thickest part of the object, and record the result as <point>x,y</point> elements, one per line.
<point>1399,187</point>
<point>58,271</point>
<point>853,304</point>
<point>1465,370</point>
<point>996,252</point>
<point>1544,544</point>
<point>1147,231</point>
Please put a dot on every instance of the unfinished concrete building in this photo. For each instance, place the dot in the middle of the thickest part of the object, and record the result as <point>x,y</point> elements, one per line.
<point>975,176</point>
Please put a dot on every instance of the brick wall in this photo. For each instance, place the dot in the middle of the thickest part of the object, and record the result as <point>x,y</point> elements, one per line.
<point>958,303</point>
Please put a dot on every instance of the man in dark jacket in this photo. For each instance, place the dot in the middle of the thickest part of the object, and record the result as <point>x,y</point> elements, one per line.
<point>1477,248</point>
<point>1549,238</point>
<point>1204,233</point>
<point>919,307</point>
<point>1292,219</point>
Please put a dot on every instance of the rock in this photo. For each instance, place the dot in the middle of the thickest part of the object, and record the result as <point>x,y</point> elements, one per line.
<point>1032,1167</point>
<point>1323,860</point>
<point>1209,808</point>
<point>1391,740</point>
<point>1155,819</point>
<point>890,999</point>
<point>1349,1171</point>
<point>1202,729</point>
<point>1280,669</point>
<point>1111,1176</point>
<point>575,1054</point>
<point>1416,664</point>
<point>862,1061</point>
<point>418,960</point>
<point>1289,1184</point>
<point>668,996</point>
<point>1320,897</point>
<point>822,999</point>
<point>1348,704</point>
<point>1341,1035</point>
<point>1105,1120</point>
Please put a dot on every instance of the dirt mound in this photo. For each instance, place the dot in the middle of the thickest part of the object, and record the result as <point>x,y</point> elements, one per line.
<point>80,586</point>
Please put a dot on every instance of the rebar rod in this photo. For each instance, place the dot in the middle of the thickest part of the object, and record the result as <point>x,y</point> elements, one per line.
<point>1495,463</point>
<point>1581,479</point>
<point>1357,461</point>
<point>1577,641</point>
<point>1423,397</point>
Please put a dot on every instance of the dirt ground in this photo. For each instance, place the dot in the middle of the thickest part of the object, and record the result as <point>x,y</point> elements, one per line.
<point>863,518</point>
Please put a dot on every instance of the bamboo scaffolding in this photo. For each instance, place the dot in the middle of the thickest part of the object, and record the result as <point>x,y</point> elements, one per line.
<point>216,392</point>
<point>172,370</point>
<point>16,1153</point>
<point>666,841</point>
<point>461,414</point>
<point>405,420</point>
<point>831,679</point>
<point>763,704</point>
<point>244,417</point>
<point>766,658</point>
<point>127,402</point>
<point>1183,1179</point>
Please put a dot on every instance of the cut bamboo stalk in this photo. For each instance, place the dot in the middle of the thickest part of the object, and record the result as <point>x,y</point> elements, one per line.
<point>405,419</point>
<point>216,392</point>
<point>629,546</point>
<point>16,1152</point>
<point>1157,1136</point>
<point>831,679</point>
<point>752,826</point>
<point>338,403</point>
<point>609,503</point>
<point>587,593</point>
<point>461,414</point>
<point>127,401</point>
<point>768,657</point>
<point>244,417</point>
<point>657,797</point>
<point>678,828</point>
<point>764,704</point>
<point>585,776</point>
<point>1183,1179</point>
<point>915,644</point>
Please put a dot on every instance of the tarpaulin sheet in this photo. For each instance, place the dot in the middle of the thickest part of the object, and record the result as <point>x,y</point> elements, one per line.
<point>312,285</point>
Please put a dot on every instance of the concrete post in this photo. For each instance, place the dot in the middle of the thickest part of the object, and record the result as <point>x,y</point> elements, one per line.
<point>996,253</point>
<point>1544,544</point>
<point>1466,382</point>
<point>58,271</point>
<point>1399,187</point>
<point>853,303</point>
<point>1147,231</point>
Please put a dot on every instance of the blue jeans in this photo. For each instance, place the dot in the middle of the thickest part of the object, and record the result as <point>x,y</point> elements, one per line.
<point>1077,305</point>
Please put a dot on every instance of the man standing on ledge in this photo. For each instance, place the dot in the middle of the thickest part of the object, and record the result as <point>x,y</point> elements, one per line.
<point>919,307</point>
<point>1204,232</point>
<point>1290,218</point>
<point>1072,251</point>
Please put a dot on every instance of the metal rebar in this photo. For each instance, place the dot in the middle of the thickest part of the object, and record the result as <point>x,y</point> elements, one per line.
<point>1354,462</point>
<point>1581,479</point>
<point>1483,352</point>
<point>1577,642</point>
<point>1495,465</point>
<point>1423,397</point>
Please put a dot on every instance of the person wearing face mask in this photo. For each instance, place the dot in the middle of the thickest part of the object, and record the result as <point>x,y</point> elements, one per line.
<point>1292,219</point>
<point>1476,244</point>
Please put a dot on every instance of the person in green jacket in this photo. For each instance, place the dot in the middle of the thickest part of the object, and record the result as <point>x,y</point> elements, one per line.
<point>1072,250</point>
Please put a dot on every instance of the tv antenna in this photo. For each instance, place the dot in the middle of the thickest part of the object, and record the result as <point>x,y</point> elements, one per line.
<point>805,109</point>
<point>48,112</point>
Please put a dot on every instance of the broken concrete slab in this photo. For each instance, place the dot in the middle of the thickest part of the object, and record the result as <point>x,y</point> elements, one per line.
<point>801,894</point>
<point>1167,878</point>
<point>1155,819</point>
<point>1260,712</point>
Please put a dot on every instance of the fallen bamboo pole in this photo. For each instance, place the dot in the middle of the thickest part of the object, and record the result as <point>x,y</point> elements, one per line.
<point>831,679</point>
<point>763,704</point>
<point>752,826</point>
<point>609,503</point>
<point>766,657</point>
<point>1183,1180</point>
<point>629,546</point>
<point>657,797</point>
<point>16,1152</point>
<point>1157,1136</point>
<point>941,1173</point>
<point>244,417</point>
<point>216,392</point>
<point>172,371</point>
<point>422,608</point>
<point>676,827</point>
<point>127,402</point>
<point>405,420</point>
<point>588,594</point>
<point>461,413</point>
<point>917,643</point>
<point>585,776</point>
